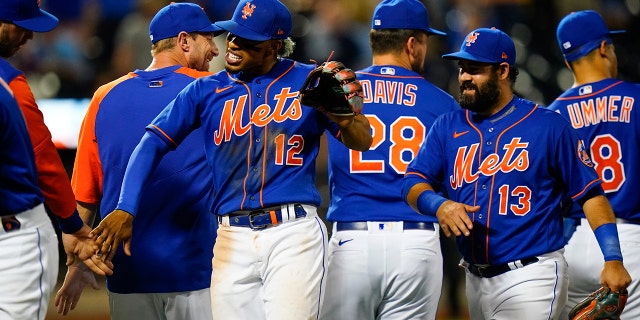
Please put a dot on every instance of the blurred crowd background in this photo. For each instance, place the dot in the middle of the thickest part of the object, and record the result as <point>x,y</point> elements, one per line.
<point>100,40</point>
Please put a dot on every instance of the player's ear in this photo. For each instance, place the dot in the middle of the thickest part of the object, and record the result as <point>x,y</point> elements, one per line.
<point>503,70</point>
<point>604,45</point>
<point>183,40</point>
<point>275,46</point>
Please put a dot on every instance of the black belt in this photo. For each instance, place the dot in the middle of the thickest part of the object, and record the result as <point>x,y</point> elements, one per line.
<point>262,218</point>
<point>361,225</point>
<point>10,223</point>
<point>490,271</point>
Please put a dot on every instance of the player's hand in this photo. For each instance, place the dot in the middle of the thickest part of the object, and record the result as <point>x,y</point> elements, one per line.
<point>78,244</point>
<point>115,228</point>
<point>78,276</point>
<point>454,218</point>
<point>615,276</point>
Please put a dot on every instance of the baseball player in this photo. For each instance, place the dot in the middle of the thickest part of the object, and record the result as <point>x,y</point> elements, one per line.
<point>29,255</point>
<point>373,228</point>
<point>27,237</point>
<point>600,107</point>
<point>176,204</point>
<point>509,170</point>
<point>269,256</point>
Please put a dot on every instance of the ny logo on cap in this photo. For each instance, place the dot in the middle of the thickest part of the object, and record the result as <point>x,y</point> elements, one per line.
<point>471,38</point>
<point>247,11</point>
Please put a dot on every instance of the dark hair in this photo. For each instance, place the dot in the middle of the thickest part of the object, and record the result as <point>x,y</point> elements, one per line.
<point>391,40</point>
<point>513,72</point>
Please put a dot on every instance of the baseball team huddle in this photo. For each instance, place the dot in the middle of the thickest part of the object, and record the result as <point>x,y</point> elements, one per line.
<point>202,184</point>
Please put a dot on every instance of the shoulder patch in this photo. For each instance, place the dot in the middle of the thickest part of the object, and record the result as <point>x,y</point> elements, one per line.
<point>583,154</point>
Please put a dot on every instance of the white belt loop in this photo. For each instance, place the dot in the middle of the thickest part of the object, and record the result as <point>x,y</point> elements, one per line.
<point>285,211</point>
<point>224,221</point>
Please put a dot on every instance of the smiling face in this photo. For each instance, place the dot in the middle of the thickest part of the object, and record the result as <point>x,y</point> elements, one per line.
<point>251,57</point>
<point>12,38</point>
<point>479,91</point>
<point>205,50</point>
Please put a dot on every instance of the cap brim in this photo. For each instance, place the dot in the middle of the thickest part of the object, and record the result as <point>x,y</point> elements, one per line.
<point>434,31</point>
<point>240,30</point>
<point>616,32</point>
<point>43,22</point>
<point>461,55</point>
<point>213,28</point>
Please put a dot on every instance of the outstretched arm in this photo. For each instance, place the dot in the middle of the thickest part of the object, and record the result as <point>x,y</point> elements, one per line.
<point>117,226</point>
<point>603,223</point>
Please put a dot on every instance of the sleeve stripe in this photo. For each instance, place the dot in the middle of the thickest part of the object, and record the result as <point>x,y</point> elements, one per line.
<point>585,188</point>
<point>164,135</point>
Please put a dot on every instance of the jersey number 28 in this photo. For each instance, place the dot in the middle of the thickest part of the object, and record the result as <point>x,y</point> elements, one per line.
<point>406,134</point>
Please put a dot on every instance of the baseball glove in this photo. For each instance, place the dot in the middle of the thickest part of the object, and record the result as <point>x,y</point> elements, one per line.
<point>601,304</point>
<point>332,88</point>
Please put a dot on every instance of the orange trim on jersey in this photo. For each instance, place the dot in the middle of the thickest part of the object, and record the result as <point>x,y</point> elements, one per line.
<point>87,176</point>
<point>264,138</point>
<point>274,219</point>
<point>193,73</point>
<point>417,174</point>
<point>493,177</point>
<point>593,93</point>
<point>585,188</point>
<point>164,134</point>
<point>246,177</point>
<point>475,192</point>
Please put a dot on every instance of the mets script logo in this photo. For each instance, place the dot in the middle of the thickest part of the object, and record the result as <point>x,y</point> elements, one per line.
<point>471,38</point>
<point>515,157</point>
<point>287,107</point>
<point>247,11</point>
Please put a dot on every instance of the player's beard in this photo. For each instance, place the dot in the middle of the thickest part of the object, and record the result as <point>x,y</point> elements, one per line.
<point>485,97</point>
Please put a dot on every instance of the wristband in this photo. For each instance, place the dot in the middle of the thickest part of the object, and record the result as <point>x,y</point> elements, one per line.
<point>429,202</point>
<point>607,236</point>
<point>71,224</point>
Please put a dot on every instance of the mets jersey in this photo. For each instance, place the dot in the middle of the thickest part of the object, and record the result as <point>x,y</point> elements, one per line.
<point>401,106</point>
<point>602,114</point>
<point>261,142</point>
<point>523,166</point>
<point>174,233</point>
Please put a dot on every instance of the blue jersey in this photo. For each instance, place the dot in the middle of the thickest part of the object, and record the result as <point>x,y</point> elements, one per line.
<point>602,112</point>
<point>19,189</point>
<point>523,166</point>
<point>401,106</point>
<point>174,232</point>
<point>261,142</point>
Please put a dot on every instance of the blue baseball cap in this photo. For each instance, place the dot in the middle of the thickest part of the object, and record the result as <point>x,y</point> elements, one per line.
<point>581,32</point>
<point>259,20</point>
<point>402,14</point>
<point>488,45</point>
<point>177,17</point>
<point>28,15</point>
